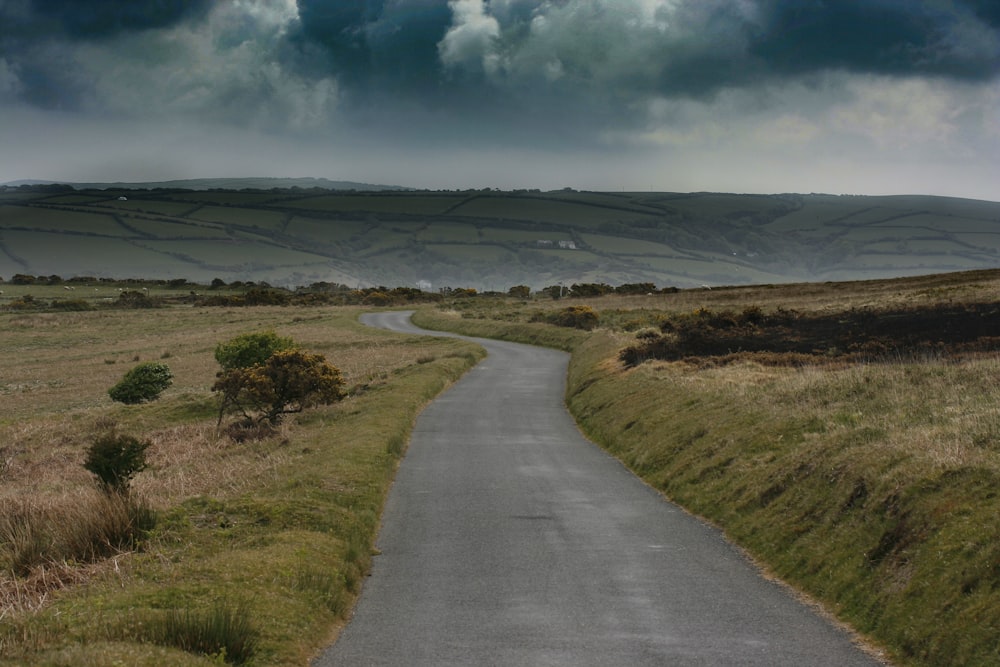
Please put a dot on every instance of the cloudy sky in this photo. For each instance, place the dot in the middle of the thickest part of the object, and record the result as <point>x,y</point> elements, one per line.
<point>842,96</point>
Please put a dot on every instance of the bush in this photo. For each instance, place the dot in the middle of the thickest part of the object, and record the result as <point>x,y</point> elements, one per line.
<point>250,349</point>
<point>115,459</point>
<point>576,317</point>
<point>137,300</point>
<point>287,382</point>
<point>143,383</point>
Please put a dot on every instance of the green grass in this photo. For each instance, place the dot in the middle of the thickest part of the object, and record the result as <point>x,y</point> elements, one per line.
<point>380,203</point>
<point>545,210</point>
<point>57,220</point>
<point>245,217</point>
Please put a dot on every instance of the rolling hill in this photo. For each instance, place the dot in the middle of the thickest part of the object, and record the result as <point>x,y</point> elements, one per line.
<point>489,240</point>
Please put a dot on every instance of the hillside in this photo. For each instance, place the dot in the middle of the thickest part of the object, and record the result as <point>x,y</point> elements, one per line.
<point>486,239</point>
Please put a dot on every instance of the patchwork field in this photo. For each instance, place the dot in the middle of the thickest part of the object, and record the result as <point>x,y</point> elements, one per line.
<point>562,237</point>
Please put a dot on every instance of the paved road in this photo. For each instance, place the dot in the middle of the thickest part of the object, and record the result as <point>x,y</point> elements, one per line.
<point>509,539</point>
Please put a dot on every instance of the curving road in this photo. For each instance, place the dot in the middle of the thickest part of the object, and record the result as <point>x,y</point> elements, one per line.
<point>509,539</point>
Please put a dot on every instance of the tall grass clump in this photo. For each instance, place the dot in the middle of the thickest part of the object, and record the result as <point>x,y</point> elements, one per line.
<point>74,530</point>
<point>224,631</point>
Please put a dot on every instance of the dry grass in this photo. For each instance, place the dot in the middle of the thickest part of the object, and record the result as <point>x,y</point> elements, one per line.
<point>208,489</point>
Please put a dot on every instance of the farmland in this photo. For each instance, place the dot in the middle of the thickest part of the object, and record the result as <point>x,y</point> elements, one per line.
<point>490,239</point>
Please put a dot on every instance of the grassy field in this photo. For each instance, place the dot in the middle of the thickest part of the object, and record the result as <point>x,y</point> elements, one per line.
<point>267,540</point>
<point>370,238</point>
<point>866,478</point>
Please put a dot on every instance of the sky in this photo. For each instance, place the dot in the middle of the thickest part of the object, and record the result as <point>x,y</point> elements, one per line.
<point>758,96</point>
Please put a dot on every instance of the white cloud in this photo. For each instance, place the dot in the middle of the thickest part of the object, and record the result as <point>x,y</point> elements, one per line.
<point>225,69</point>
<point>472,38</point>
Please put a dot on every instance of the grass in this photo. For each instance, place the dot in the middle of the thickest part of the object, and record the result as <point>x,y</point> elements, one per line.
<point>871,485</point>
<point>281,529</point>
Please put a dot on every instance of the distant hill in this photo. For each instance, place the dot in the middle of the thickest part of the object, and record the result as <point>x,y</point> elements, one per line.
<point>291,234</point>
<point>261,183</point>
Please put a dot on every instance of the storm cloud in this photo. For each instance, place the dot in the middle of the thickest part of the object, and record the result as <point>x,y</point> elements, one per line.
<point>563,76</point>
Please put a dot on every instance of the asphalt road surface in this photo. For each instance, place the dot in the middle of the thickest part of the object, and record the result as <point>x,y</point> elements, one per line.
<point>510,539</point>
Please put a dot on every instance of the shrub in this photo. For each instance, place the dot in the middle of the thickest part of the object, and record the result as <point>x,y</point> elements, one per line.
<point>287,382</point>
<point>519,291</point>
<point>115,459</point>
<point>71,305</point>
<point>137,300</point>
<point>250,349</point>
<point>144,382</point>
<point>576,317</point>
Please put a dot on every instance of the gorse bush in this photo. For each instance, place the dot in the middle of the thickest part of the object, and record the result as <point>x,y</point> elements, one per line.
<point>575,317</point>
<point>115,459</point>
<point>288,381</point>
<point>250,349</point>
<point>143,383</point>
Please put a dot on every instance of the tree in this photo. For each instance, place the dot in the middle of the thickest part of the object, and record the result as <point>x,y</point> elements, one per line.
<point>143,383</point>
<point>288,381</point>
<point>250,349</point>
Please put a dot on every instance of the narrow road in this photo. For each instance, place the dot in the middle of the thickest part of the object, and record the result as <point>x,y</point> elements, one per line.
<point>509,539</point>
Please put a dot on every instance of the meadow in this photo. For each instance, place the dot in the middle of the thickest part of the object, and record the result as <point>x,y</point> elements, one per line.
<point>845,435</point>
<point>302,235</point>
<point>258,547</point>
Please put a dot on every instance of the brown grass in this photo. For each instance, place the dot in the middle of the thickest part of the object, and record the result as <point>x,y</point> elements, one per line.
<point>53,385</point>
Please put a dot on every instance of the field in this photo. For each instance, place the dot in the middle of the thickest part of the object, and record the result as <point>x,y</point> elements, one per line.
<point>372,238</point>
<point>846,435</point>
<point>275,532</point>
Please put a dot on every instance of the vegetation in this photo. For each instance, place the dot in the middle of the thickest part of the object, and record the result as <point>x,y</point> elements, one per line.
<point>115,459</point>
<point>286,382</point>
<point>845,434</point>
<point>142,383</point>
<point>278,530</point>
<point>251,349</point>
<point>488,239</point>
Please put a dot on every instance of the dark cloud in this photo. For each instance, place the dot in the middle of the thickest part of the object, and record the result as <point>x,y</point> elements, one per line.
<point>73,19</point>
<point>490,70</point>
<point>602,58</point>
<point>893,37</point>
<point>373,44</point>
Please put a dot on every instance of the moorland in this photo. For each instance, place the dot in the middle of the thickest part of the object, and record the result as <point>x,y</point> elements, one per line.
<point>845,434</point>
<point>486,239</point>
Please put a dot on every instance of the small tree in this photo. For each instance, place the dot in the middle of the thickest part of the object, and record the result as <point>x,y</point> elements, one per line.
<point>288,381</point>
<point>115,459</point>
<point>143,383</point>
<point>250,349</point>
